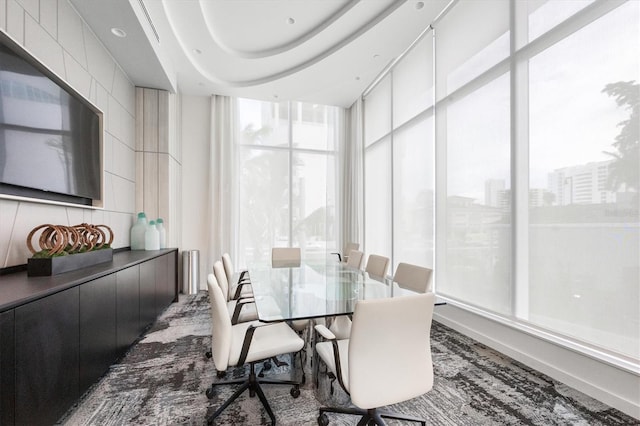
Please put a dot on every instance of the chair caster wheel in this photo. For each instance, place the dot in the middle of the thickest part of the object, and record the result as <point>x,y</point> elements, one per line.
<point>210,392</point>
<point>323,420</point>
<point>266,365</point>
<point>221,374</point>
<point>295,391</point>
<point>208,354</point>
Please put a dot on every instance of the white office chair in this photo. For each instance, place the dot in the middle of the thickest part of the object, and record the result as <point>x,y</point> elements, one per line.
<point>413,277</point>
<point>377,265</point>
<point>240,286</point>
<point>285,256</point>
<point>347,248</point>
<point>391,332</point>
<point>240,310</point>
<point>354,259</point>
<point>249,342</point>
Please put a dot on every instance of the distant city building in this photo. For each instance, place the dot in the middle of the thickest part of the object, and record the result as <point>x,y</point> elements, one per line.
<point>493,190</point>
<point>582,184</point>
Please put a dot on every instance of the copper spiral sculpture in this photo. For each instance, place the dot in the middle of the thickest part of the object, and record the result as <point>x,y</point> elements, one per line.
<point>61,240</point>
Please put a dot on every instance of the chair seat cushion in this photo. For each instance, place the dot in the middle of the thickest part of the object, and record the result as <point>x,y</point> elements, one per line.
<point>268,340</point>
<point>325,352</point>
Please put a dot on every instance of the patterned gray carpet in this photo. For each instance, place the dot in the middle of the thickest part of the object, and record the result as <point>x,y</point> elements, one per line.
<point>163,378</point>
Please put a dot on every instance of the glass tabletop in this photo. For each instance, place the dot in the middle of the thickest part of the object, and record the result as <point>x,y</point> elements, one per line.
<point>314,290</point>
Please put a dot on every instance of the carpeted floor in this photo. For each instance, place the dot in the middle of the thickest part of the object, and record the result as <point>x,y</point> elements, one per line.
<point>163,378</point>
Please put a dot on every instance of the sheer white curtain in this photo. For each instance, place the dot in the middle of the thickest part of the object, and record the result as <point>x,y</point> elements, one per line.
<point>221,183</point>
<point>351,164</point>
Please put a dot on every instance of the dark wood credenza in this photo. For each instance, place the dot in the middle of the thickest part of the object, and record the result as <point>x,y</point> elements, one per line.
<point>60,334</point>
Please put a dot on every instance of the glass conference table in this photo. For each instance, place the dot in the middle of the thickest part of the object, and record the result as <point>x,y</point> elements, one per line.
<point>314,290</point>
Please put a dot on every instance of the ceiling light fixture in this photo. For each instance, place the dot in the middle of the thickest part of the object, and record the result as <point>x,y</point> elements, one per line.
<point>198,51</point>
<point>118,32</point>
<point>376,56</point>
<point>291,21</point>
<point>357,78</point>
<point>419,5</point>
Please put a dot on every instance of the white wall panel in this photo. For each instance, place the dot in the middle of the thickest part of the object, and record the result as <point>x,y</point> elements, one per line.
<point>122,91</point>
<point>3,14</point>
<point>43,46</point>
<point>15,21</point>
<point>70,34</point>
<point>32,7</point>
<point>124,161</point>
<point>101,65</point>
<point>8,211</point>
<point>49,16</point>
<point>76,75</point>
<point>195,153</point>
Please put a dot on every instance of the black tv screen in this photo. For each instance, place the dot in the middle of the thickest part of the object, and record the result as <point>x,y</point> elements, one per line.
<point>50,136</point>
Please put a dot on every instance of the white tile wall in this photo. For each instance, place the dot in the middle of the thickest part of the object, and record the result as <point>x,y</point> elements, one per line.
<point>70,34</point>
<point>100,64</point>
<point>32,7</point>
<point>43,46</point>
<point>77,76</point>
<point>8,210</point>
<point>124,161</point>
<point>122,92</point>
<point>55,33</point>
<point>3,16</point>
<point>49,16</point>
<point>15,21</point>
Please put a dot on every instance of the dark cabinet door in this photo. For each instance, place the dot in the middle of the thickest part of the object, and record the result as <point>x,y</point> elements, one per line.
<point>47,357</point>
<point>7,369</point>
<point>147,293</point>
<point>163,292</point>
<point>127,308</point>
<point>97,329</point>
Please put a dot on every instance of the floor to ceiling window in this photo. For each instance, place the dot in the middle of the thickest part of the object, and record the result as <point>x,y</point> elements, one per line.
<point>399,162</point>
<point>535,114</point>
<point>287,162</point>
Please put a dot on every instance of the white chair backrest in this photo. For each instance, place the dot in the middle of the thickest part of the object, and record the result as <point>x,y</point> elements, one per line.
<point>220,325</point>
<point>377,265</point>
<point>228,266</point>
<point>355,259</point>
<point>390,350</point>
<point>350,246</point>
<point>285,256</point>
<point>413,277</point>
<point>221,277</point>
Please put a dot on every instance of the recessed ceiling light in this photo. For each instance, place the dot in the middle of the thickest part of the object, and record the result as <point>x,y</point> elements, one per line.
<point>118,32</point>
<point>275,96</point>
<point>357,78</point>
<point>291,21</point>
<point>376,56</point>
<point>419,5</point>
<point>198,51</point>
<point>201,84</point>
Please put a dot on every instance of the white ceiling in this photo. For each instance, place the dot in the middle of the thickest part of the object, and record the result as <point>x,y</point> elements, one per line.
<point>319,51</point>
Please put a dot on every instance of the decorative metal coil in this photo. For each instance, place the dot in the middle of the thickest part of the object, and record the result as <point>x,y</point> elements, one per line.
<point>60,239</point>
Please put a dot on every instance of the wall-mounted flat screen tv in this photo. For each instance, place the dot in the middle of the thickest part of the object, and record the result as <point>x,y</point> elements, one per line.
<point>50,136</point>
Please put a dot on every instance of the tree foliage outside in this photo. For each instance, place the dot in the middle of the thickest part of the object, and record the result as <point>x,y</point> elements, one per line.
<point>624,170</point>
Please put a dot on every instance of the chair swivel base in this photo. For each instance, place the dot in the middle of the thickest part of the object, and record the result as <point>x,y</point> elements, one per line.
<point>372,416</point>
<point>253,384</point>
